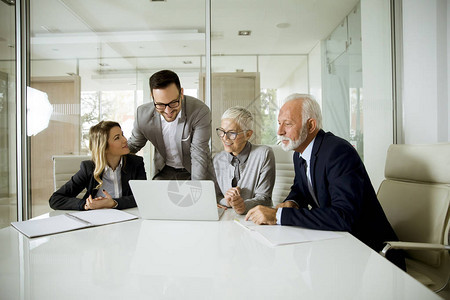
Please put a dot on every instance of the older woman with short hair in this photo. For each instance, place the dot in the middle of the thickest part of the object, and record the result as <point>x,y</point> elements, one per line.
<point>245,172</point>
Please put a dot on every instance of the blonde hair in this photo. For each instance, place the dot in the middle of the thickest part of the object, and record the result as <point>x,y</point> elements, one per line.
<point>98,143</point>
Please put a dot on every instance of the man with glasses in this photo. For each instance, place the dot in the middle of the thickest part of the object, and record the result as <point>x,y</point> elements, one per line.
<point>178,126</point>
<point>245,172</point>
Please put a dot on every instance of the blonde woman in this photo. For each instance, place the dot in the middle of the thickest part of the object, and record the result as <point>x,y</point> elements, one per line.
<point>106,176</point>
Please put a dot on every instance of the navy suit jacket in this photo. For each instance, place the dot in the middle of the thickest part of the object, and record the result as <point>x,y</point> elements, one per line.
<point>66,196</point>
<point>347,200</point>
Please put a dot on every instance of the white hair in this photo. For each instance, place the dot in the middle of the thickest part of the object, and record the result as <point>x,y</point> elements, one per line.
<point>310,108</point>
<point>241,116</point>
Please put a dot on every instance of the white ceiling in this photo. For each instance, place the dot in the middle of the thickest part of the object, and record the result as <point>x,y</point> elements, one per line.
<point>111,37</point>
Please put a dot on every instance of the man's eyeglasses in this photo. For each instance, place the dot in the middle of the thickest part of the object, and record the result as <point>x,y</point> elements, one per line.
<point>171,104</point>
<point>232,135</point>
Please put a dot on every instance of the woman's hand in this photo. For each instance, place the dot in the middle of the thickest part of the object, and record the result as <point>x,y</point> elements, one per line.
<point>100,202</point>
<point>234,199</point>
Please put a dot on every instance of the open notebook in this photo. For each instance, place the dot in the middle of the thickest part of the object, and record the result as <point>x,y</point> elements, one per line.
<point>71,221</point>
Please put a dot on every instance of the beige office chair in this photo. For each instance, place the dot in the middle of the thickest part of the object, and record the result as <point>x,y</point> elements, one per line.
<point>285,173</point>
<point>416,197</point>
<point>64,167</point>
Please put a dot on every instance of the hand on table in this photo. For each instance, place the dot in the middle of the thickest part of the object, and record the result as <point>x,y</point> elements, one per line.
<point>234,199</point>
<point>99,202</point>
<point>262,215</point>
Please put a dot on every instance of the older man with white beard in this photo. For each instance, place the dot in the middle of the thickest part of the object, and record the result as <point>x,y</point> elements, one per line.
<point>331,190</point>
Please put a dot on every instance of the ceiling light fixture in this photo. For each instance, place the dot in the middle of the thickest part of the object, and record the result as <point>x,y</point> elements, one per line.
<point>187,62</point>
<point>245,32</point>
<point>283,25</point>
<point>117,37</point>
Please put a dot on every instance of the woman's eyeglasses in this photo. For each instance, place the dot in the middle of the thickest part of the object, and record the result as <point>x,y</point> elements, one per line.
<point>232,135</point>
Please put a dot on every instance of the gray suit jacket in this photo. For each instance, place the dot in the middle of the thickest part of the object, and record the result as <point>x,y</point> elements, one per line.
<point>193,134</point>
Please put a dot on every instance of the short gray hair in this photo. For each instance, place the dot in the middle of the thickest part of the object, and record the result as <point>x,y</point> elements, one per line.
<point>241,116</point>
<point>310,108</point>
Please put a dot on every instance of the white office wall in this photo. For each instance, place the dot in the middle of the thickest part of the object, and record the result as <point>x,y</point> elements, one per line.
<point>297,82</point>
<point>315,73</point>
<point>425,71</point>
<point>377,86</point>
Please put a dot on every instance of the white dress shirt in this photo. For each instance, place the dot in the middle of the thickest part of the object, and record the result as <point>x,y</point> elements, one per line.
<point>112,182</point>
<point>169,131</point>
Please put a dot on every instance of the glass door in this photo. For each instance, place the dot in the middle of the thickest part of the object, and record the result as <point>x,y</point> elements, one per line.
<point>93,59</point>
<point>8,197</point>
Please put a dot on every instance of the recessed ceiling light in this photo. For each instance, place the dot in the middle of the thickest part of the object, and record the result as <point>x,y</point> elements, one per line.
<point>239,70</point>
<point>104,65</point>
<point>187,62</point>
<point>283,25</point>
<point>245,32</point>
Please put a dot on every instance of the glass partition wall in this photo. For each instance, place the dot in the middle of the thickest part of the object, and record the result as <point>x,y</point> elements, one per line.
<point>8,196</point>
<point>93,60</point>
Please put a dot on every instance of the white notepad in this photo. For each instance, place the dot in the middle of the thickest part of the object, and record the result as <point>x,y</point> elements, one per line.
<point>71,221</point>
<point>281,235</point>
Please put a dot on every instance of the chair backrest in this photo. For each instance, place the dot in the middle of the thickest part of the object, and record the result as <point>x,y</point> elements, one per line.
<point>64,167</point>
<point>416,196</point>
<point>285,173</point>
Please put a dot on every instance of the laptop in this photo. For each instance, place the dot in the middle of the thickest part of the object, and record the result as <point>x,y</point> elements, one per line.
<point>176,199</point>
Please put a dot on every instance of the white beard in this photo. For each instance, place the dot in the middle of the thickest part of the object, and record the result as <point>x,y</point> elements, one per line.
<point>294,144</point>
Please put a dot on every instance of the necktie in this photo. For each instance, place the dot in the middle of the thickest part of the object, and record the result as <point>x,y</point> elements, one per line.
<point>306,182</point>
<point>236,177</point>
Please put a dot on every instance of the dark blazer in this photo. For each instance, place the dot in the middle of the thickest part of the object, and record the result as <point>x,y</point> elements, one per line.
<point>65,197</point>
<point>347,200</point>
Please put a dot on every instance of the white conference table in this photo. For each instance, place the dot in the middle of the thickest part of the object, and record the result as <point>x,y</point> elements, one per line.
<point>149,259</point>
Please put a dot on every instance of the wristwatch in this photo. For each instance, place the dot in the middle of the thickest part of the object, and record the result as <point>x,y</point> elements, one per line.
<point>116,204</point>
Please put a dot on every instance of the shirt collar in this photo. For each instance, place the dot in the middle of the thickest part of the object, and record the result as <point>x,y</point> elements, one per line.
<point>243,155</point>
<point>119,166</point>
<point>306,155</point>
